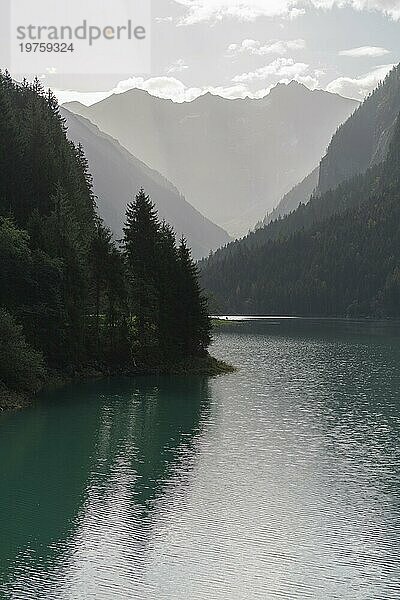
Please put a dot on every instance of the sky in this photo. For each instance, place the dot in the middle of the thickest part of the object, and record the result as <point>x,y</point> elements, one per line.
<point>239,48</point>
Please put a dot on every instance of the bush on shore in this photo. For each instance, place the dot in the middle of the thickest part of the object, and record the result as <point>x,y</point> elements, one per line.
<point>21,367</point>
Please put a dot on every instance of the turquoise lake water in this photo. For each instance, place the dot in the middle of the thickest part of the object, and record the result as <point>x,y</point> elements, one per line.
<point>279,481</point>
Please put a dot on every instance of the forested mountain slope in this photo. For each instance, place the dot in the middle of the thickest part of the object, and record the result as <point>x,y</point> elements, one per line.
<point>300,194</point>
<point>363,140</point>
<point>117,176</point>
<point>320,206</point>
<point>232,159</point>
<point>347,264</point>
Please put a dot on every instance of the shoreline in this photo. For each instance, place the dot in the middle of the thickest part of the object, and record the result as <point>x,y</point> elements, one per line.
<point>234,318</point>
<point>206,366</point>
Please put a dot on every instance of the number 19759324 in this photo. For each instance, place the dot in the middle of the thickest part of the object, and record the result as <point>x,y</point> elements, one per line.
<point>46,47</point>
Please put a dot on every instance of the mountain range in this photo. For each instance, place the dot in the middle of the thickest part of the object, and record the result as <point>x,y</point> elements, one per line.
<point>362,141</point>
<point>232,159</point>
<point>339,254</point>
<point>117,177</point>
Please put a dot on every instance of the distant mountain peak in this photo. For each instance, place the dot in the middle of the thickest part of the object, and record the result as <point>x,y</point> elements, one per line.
<point>232,159</point>
<point>74,104</point>
<point>292,86</point>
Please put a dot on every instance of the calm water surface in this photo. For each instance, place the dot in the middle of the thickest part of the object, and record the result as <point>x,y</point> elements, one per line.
<point>280,481</point>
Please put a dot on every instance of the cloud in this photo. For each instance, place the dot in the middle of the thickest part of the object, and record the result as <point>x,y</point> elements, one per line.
<point>244,10</point>
<point>86,98</point>
<point>162,87</point>
<point>164,19</point>
<point>311,81</point>
<point>199,11</point>
<point>177,67</point>
<point>363,51</point>
<point>254,47</point>
<point>359,87</point>
<point>279,68</point>
<point>390,8</point>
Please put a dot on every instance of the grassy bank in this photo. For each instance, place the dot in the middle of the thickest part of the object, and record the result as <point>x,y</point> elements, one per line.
<point>11,400</point>
<point>206,366</point>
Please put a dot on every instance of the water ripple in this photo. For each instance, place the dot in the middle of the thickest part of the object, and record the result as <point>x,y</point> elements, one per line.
<point>280,481</point>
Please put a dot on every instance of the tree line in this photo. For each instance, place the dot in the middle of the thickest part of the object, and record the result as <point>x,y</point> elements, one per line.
<point>70,295</point>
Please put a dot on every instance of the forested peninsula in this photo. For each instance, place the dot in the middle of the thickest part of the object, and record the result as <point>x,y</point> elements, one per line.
<point>73,301</point>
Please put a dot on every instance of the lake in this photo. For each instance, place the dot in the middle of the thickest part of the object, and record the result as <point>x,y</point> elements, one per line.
<point>279,481</point>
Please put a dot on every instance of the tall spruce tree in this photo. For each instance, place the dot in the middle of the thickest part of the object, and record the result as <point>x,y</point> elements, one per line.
<point>168,309</point>
<point>140,249</point>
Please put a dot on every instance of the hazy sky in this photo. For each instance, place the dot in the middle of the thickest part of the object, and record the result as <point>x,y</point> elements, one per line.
<point>243,47</point>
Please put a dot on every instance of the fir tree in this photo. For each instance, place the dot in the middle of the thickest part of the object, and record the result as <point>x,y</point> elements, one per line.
<point>195,322</point>
<point>139,245</point>
<point>168,292</point>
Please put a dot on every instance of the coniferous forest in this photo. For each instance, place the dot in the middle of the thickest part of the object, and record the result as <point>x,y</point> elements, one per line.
<point>338,255</point>
<point>72,298</point>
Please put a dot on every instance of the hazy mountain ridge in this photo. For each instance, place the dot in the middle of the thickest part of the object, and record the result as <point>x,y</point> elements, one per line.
<point>233,159</point>
<point>117,176</point>
<point>301,193</point>
<point>362,141</point>
<point>347,264</point>
<point>344,241</point>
